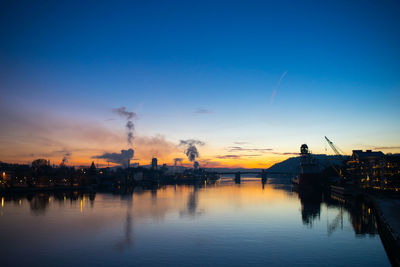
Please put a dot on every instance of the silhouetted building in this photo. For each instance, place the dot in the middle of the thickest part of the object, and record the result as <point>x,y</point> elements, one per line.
<point>392,171</point>
<point>374,169</point>
<point>154,164</point>
<point>164,168</point>
<point>366,168</point>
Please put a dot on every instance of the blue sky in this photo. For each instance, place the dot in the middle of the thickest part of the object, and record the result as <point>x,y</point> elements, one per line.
<point>166,59</point>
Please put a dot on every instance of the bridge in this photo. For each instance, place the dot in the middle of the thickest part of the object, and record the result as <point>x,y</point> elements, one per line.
<point>263,174</point>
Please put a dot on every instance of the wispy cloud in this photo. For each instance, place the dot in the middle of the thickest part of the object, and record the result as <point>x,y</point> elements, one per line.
<point>240,143</point>
<point>228,157</point>
<point>259,150</point>
<point>247,149</point>
<point>237,156</point>
<point>387,147</point>
<point>286,153</point>
<point>202,111</point>
<point>277,87</point>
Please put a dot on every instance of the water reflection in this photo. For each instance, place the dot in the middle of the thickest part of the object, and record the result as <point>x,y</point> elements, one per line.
<point>192,204</point>
<point>223,221</point>
<point>361,214</point>
<point>39,202</point>
<point>310,205</point>
<point>126,241</point>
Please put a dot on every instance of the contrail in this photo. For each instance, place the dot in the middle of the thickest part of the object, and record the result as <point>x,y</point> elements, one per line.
<point>277,86</point>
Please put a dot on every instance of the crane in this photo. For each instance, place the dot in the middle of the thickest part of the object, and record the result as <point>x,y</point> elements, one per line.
<point>334,148</point>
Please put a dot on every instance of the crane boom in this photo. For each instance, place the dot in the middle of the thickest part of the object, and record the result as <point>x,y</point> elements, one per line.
<point>334,148</point>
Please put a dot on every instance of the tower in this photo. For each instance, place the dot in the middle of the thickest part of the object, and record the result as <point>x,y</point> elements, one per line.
<point>154,164</point>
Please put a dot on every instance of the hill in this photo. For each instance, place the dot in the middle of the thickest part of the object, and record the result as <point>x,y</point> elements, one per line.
<point>292,165</point>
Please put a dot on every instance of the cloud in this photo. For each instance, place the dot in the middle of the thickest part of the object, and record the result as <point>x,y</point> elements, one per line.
<point>286,153</point>
<point>260,150</point>
<point>213,163</point>
<point>237,156</point>
<point>387,147</point>
<point>154,146</point>
<point>240,143</point>
<point>50,136</point>
<point>239,148</point>
<point>122,158</point>
<point>277,87</point>
<point>65,154</point>
<point>228,157</point>
<point>202,111</point>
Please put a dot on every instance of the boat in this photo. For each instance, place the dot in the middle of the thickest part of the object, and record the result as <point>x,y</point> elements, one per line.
<point>310,170</point>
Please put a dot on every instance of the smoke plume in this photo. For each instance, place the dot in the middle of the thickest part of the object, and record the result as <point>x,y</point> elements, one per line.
<point>129,115</point>
<point>177,160</point>
<point>65,158</point>
<point>191,150</point>
<point>122,158</point>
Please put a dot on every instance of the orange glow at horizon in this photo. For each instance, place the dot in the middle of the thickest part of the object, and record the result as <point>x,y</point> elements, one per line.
<point>210,162</point>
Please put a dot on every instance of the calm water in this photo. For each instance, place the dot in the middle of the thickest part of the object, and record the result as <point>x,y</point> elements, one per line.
<point>221,224</point>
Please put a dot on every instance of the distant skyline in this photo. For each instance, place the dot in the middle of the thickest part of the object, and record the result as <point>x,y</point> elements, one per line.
<point>253,80</point>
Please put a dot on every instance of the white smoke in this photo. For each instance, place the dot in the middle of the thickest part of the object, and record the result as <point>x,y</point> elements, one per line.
<point>122,158</point>
<point>129,115</point>
<point>191,150</point>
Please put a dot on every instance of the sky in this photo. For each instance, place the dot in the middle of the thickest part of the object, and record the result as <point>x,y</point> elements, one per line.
<point>252,80</point>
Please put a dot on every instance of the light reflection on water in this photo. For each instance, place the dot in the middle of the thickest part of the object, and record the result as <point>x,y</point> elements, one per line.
<point>217,224</point>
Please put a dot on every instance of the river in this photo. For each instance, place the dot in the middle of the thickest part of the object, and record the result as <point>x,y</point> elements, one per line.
<point>192,225</point>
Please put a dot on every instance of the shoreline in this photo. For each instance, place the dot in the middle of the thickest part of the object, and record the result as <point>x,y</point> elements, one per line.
<point>387,215</point>
<point>388,225</point>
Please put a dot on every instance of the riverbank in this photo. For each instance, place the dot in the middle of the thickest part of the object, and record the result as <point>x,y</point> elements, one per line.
<point>387,210</point>
<point>388,218</point>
